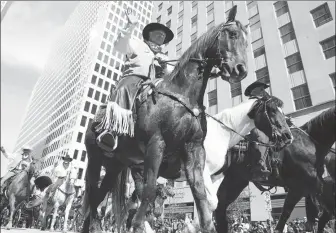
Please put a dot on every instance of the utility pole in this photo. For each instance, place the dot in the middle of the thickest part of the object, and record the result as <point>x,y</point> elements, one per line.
<point>269,208</point>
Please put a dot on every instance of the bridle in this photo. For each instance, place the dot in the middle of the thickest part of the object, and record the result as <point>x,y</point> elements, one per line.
<point>220,59</point>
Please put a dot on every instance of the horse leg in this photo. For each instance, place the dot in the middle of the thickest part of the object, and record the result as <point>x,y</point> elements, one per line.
<point>153,158</point>
<point>54,217</point>
<point>194,162</point>
<point>11,211</point>
<point>323,220</point>
<point>95,156</point>
<point>228,191</point>
<point>311,211</point>
<point>66,213</point>
<point>291,200</point>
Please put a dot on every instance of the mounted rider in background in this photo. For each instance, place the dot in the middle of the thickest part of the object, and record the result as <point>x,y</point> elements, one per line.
<point>259,169</point>
<point>17,163</point>
<point>144,63</point>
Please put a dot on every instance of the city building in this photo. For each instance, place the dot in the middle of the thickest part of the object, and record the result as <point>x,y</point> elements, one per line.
<point>4,8</point>
<point>78,77</point>
<point>292,47</point>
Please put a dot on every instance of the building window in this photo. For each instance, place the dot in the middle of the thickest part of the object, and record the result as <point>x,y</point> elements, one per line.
<point>83,121</point>
<point>94,79</point>
<point>294,63</point>
<point>258,52</point>
<point>263,75</point>
<point>83,157</point>
<point>80,173</point>
<point>212,97</point>
<point>115,76</point>
<point>210,25</point>
<point>106,85</point>
<point>160,6</point>
<point>193,37</point>
<point>94,109</point>
<point>75,154</point>
<point>87,106</point>
<point>158,19</point>
<point>180,15</point>
<point>103,100</point>
<point>281,7</point>
<point>258,44</point>
<point>194,21</point>
<point>181,5</point>
<point>301,97</point>
<point>79,137</point>
<point>90,92</point>
<point>178,47</point>
<point>96,67</point>
<point>287,33</point>
<point>100,82</point>
<point>235,89</point>
<point>255,19</point>
<point>109,73</point>
<point>328,46</point>
<point>103,70</point>
<point>168,24</point>
<point>321,15</point>
<point>169,10</point>
<point>97,95</point>
<point>332,77</point>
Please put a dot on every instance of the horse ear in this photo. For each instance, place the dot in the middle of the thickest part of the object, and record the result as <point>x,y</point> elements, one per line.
<point>232,14</point>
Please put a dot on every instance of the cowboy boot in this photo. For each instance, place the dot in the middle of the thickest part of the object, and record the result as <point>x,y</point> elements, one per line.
<point>260,171</point>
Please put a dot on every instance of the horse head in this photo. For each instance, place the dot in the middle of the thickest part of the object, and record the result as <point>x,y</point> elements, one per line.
<point>271,120</point>
<point>33,168</point>
<point>230,49</point>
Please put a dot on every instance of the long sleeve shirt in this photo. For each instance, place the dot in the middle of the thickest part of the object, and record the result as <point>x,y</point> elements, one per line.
<point>139,56</point>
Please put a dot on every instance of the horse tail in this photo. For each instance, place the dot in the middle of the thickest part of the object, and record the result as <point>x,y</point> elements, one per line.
<point>119,198</point>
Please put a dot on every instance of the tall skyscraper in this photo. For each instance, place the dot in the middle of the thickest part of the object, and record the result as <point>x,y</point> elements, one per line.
<point>292,47</point>
<point>77,78</point>
<point>4,8</point>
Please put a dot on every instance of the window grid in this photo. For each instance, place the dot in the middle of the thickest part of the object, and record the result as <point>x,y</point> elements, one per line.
<point>328,47</point>
<point>301,96</point>
<point>235,89</point>
<point>332,77</point>
<point>321,15</point>
<point>212,97</point>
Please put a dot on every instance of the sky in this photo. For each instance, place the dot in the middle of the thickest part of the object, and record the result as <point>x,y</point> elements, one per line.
<point>28,32</point>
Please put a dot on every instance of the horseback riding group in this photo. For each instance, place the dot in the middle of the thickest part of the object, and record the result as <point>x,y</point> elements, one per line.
<point>154,124</point>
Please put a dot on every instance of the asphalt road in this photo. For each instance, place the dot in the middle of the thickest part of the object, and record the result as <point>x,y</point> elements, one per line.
<point>24,230</point>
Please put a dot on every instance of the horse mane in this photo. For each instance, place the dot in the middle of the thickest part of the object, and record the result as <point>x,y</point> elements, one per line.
<point>274,102</point>
<point>316,126</point>
<point>196,48</point>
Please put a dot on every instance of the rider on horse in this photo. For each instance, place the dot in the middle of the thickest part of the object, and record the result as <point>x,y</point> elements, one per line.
<point>17,163</point>
<point>144,62</point>
<point>259,170</point>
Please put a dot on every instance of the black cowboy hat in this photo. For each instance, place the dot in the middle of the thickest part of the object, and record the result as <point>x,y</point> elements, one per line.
<point>157,26</point>
<point>42,182</point>
<point>67,158</point>
<point>254,85</point>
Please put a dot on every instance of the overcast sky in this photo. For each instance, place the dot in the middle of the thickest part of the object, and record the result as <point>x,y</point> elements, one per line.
<point>28,32</point>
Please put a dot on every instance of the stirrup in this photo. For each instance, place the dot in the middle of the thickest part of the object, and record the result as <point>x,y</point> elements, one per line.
<point>104,141</point>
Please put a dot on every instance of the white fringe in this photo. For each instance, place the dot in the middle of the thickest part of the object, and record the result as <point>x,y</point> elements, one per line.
<point>118,120</point>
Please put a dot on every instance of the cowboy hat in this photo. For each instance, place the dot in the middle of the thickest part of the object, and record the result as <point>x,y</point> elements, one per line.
<point>251,87</point>
<point>67,158</point>
<point>27,147</point>
<point>157,26</point>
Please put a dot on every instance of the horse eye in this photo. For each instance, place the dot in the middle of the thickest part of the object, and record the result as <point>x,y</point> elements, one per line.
<point>233,35</point>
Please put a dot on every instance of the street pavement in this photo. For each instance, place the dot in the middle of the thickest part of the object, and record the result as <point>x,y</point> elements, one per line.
<point>24,230</point>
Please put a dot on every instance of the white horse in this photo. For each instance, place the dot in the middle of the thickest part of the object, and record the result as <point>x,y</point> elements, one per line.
<point>64,195</point>
<point>220,139</point>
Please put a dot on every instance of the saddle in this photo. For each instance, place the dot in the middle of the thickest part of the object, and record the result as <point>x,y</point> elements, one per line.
<point>107,140</point>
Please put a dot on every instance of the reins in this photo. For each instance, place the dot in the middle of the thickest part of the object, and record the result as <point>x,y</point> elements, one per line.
<point>244,137</point>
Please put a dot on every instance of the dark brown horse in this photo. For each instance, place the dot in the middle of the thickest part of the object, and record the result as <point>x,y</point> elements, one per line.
<point>18,190</point>
<point>298,165</point>
<point>171,124</point>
